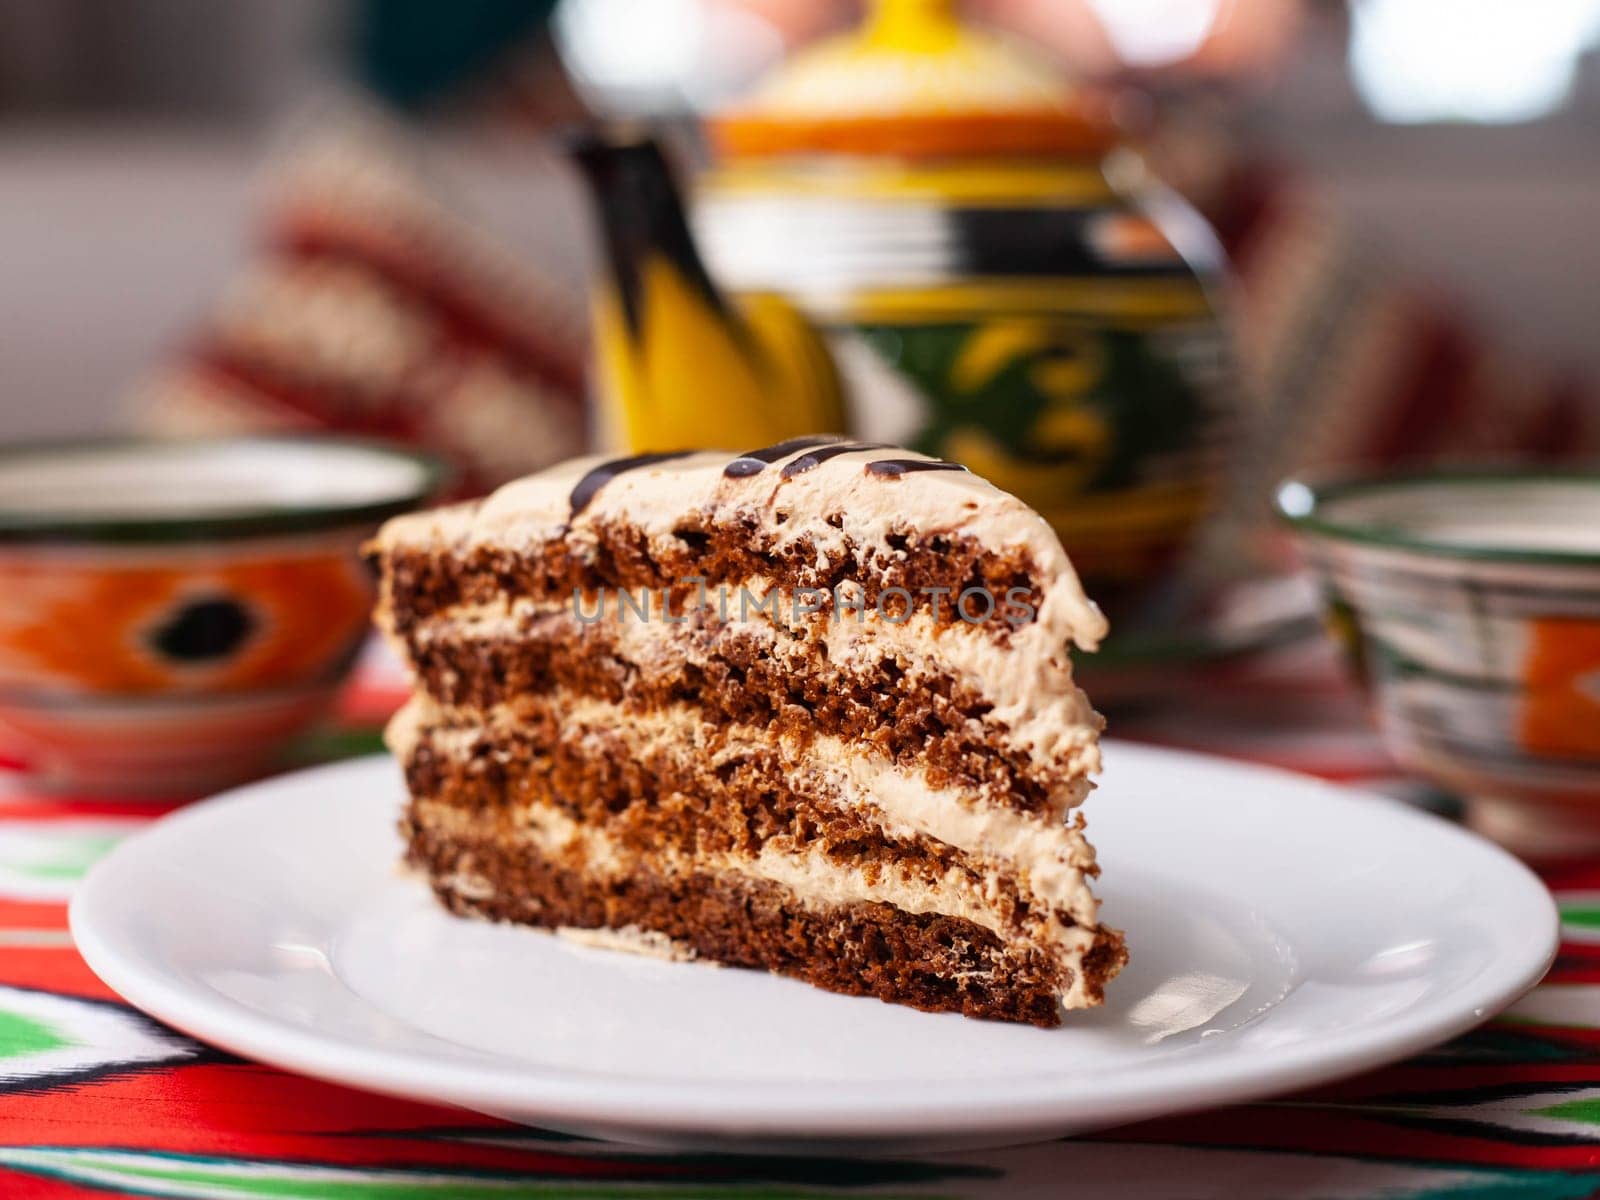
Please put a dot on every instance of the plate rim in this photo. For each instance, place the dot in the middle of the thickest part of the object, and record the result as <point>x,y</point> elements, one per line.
<point>810,1109</point>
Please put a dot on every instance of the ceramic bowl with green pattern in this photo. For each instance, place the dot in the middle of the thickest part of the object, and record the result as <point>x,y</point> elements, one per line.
<point>1469,602</point>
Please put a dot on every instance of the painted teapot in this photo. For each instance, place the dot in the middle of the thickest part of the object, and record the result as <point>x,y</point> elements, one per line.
<point>998,281</point>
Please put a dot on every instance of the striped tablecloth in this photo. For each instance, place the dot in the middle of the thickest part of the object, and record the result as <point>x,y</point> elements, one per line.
<point>96,1099</point>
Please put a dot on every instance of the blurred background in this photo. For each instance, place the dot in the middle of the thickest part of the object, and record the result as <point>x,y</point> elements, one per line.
<point>1453,141</point>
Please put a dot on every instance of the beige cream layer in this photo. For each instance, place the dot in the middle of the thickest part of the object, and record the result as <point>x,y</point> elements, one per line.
<point>1049,860</point>
<point>1054,725</point>
<point>658,499</point>
<point>809,876</point>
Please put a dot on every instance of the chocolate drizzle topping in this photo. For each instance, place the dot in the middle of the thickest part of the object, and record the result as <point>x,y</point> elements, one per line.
<point>815,458</point>
<point>893,468</point>
<point>589,486</point>
<point>753,462</point>
<point>819,449</point>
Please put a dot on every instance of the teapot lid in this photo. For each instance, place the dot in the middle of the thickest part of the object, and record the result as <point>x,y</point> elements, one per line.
<point>913,81</point>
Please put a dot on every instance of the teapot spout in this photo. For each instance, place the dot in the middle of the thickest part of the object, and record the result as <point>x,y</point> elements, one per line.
<point>679,366</point>
<point>641,214</point>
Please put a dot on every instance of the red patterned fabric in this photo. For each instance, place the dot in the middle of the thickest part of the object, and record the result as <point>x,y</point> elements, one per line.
<point>1512,1109</point>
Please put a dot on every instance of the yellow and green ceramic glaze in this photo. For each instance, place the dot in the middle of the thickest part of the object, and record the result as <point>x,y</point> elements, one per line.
<point>993,291</point>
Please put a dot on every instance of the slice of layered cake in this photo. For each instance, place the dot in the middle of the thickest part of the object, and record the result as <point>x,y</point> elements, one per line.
<point>809,708</point>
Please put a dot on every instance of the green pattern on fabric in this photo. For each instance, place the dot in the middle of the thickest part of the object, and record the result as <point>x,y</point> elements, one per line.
<point>20,1035</point>
<point>1584,918</point>
<point>180,1176</point>
<point>1524,1185</point>
<point>70,860</point>
<point>334,745</point>
<point>1586,1110</point>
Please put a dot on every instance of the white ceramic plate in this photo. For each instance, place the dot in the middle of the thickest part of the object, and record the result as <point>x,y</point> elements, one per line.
<point>1283,932</point>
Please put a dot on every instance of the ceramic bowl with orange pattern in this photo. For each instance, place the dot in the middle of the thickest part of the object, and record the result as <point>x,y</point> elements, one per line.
<point>1469,602</point>
<point>173,613</point>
